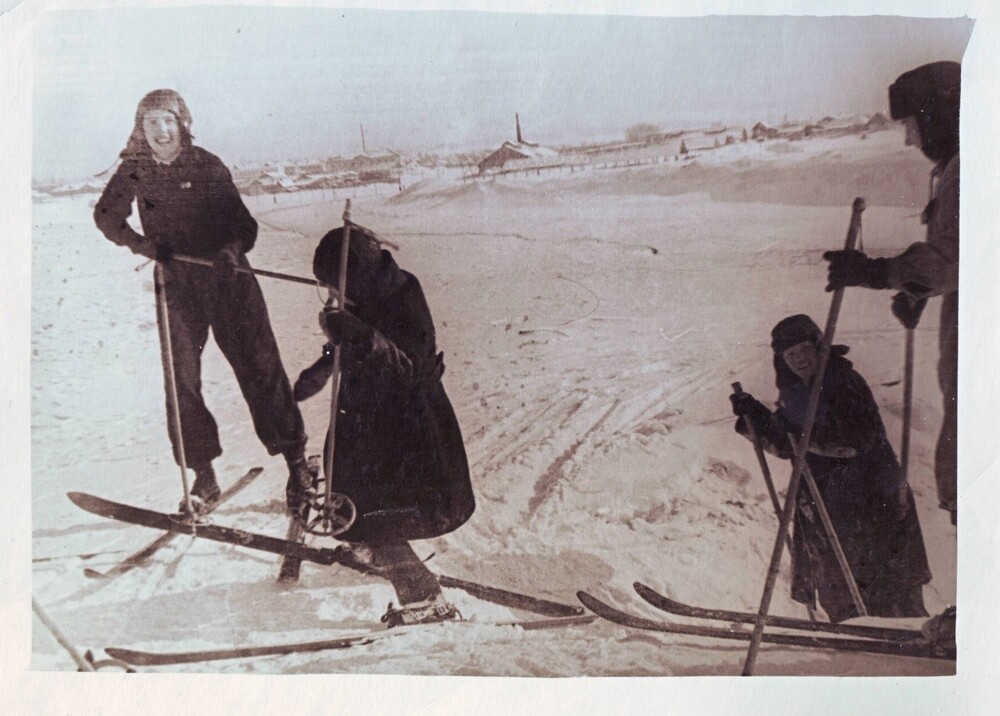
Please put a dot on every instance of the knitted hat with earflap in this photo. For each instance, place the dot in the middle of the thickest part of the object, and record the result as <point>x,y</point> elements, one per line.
<point>166,99</point>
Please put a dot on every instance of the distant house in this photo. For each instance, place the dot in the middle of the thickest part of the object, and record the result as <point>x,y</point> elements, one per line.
<point>269,182</point>
<point>761,131</point>
<point>377,160</point>
<point>337,164</point>
<point>519,151</point>
<point>513,151</point>
<point>877,122</point>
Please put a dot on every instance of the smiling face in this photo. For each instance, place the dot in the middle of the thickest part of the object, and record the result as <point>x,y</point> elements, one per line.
<point>802,359</point>
<point>163,133</point>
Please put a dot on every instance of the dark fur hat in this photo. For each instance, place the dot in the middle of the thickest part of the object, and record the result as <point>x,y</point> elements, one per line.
<point>793,330</point>
<point>932,95</point>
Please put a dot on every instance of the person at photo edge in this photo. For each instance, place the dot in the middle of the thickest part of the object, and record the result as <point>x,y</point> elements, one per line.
<point>860,482</point>
<point>927,100</point>
<point>188,205</point>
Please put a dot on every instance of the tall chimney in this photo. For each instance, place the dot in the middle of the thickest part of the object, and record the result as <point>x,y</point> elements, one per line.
<point>517,121</point>
<point>364,149</point>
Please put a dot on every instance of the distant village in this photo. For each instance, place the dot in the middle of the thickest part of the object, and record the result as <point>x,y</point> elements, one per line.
<point>387,166</point>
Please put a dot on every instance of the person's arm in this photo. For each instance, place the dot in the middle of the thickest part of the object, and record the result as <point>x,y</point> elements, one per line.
<point>848,422</point>
<point>930,268</point>
<point>115,206</point>
<point>766,425</point>
<point>225,201</point>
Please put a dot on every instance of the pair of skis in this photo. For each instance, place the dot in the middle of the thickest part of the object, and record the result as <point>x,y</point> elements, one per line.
<point>148,658</point>
<point>867,639</point>
<point>556,613</point>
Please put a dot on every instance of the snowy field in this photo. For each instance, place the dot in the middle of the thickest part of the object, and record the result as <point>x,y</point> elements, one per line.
<point>592,324</point>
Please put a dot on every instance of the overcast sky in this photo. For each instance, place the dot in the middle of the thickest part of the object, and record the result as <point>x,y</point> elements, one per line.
<point>274,83</point>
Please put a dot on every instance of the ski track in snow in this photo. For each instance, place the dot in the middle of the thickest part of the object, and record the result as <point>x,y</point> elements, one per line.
<point>592,324</point>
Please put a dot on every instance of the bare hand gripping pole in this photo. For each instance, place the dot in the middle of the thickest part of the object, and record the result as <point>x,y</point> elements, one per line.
<point>800,454</point>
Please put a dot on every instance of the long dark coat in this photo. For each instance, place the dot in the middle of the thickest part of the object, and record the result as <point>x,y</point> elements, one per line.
<point>885,551</point>
<point>399,453</point>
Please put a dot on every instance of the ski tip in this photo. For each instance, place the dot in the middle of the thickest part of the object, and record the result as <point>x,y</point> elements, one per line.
<point>93,573</point>
<point>77,498</point>
<point>127,655</point>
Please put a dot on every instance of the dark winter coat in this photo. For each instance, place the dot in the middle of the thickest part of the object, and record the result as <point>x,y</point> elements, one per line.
<point>191,203</point>
<point>399,453</point>
<point>859,480</point>
<point>929,269</point>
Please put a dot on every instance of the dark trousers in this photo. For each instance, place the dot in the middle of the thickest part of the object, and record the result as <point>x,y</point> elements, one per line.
<point>197,300</point>
<point>409,576</point>
<point>946,454</point>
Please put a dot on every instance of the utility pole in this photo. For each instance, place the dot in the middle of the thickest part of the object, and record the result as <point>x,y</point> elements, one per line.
<point>364,149</point>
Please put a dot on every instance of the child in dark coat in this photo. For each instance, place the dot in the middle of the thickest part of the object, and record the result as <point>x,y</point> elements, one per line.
<point>399,452</point>
<point>858,476</point>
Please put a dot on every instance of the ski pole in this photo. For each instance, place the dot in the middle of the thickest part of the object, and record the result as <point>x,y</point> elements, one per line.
<point>761,458</point>
<point>800,454</point>
<point>831,534</point>
<point>769,481</point>
<point>260,272</point>
<point>82,663</point>
<point>904,448</point>
<point>331,434</point>
<point>168,359</point>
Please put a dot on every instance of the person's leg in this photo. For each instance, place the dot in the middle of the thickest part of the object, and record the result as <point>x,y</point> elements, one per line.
<point>187,336</point>
<point>420,598</point>
<point>409,576</point>
<point>946,453</point>
<point>243,333</point>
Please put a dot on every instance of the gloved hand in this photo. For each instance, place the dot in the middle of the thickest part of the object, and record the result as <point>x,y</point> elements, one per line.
<point>749,410</point>
<point>227,261</point>
<point>908,309</point>
<point>313,378</point>
<point>152,248</point>
<point>852,268</point>
<point>343,328</point>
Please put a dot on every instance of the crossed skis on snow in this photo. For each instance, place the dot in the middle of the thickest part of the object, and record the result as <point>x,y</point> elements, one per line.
<point>877,640</point>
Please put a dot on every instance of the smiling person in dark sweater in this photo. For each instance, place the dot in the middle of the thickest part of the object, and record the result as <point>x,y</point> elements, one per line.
<point>189,205</point>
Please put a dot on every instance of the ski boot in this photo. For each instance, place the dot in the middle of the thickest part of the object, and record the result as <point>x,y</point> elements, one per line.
<point>939,630</point>
<point>425,612</point>
<point>300,486</point>
<point>204,492</point>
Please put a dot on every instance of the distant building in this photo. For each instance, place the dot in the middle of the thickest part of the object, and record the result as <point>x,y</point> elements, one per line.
<point>878,121</point>
<point>761,131</point>
<point>384,160</point>
<point>513,151</point>
<point>519,151</point>
<point>337,164</point>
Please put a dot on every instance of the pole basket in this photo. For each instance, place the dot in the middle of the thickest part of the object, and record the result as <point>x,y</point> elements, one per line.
<point>320,516</point>
<point>327,518</point>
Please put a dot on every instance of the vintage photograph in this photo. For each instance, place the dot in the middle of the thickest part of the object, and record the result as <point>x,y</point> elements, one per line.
<point>494,344</point>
